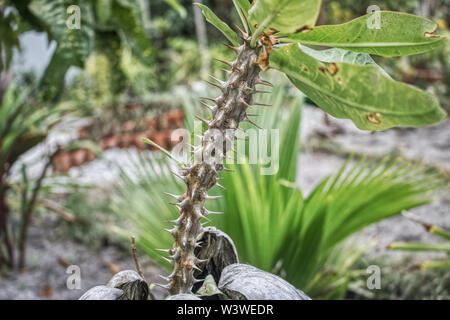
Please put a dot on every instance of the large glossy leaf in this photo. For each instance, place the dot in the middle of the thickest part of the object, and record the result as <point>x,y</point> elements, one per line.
<point>357,92</point>
<point>73,45</point>
<point>341,55</point>
<point>219,24</point>
<point>397,34</point>
<point>285,15</point>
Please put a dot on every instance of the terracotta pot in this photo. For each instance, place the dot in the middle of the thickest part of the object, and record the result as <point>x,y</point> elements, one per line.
<point>163,121</point>
<point>82,133</point>
<point>77,157</point>
<point>129,125</point>
<point>152,123</point>
<point>175,118</point>
<point>137,140</point>
<point>160,138</point>
<point>168,136</point>
<point>102,144</point>
<point>90,155</point>
<point>133,106</point>
<point>111,142</point>
<point>62,162</point>
<point>125,140</point>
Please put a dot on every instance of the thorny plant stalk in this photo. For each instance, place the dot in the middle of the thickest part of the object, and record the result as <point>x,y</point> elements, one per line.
<point>228,110</point>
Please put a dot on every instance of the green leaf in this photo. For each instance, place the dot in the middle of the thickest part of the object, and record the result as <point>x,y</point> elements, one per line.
<point>209,288</point>
<point>419,246</point>
<point>242,4</point>
<point>360,93</point>
<point>342,55</point>
<point>242,7</point>
<point>444,234</point>
<point>166,152</point>
<point>177,7</point>
<point>286,16</point>
<point>219,24</point>
<point>127,17</point>
<point>435,264</point>
<point>399,34</point>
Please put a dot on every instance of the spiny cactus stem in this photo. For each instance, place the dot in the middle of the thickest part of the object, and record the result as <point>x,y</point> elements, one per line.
<point>229,109</point>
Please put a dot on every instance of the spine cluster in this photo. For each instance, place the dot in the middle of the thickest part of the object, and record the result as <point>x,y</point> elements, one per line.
<point>228,110</point>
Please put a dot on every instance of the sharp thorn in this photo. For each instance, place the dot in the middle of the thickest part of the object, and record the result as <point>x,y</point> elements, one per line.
<point>220,186</point>
<point>225,62</point>
<point>178,198</point>
<point>202,120</point>
<point>169,230</point>
<point>261,104</point>
<point>164,278</point>
<point>244,102</point>
<point>210,108</point>
<point>214,212</point>
<point>208,220</point>
<point>167,259</point>
<point>253,123</point>
<point>227,71</point>
<point>165,286</point>
<point>164,250</point>
<point>227,170</point>
<point>243,33</point>
<point>209,99</point>
<point>202,260</point>
<point>196,268</point>
<point>175,204</point>
<point>198,280</point>
<point>213,197</point>
<point>217,80</point>
<point>177,175</point>
<point>214,84</point>
<point>235,49</point>
<point>264,82</point>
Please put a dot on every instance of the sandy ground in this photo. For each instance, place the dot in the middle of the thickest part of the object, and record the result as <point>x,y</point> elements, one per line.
<point>430,145</point>
<point>49,255</point>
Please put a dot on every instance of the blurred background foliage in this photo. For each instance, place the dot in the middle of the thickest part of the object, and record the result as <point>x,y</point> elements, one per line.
<point>135,59</point>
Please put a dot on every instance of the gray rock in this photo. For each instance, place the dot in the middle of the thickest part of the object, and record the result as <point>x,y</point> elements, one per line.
<point>245,282</point>
<point>128,283</point>
<point>183,296</point>
<point>132,285</point>
<point>123,277</point>
<point>219,251</point>
<point>102,293</point>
